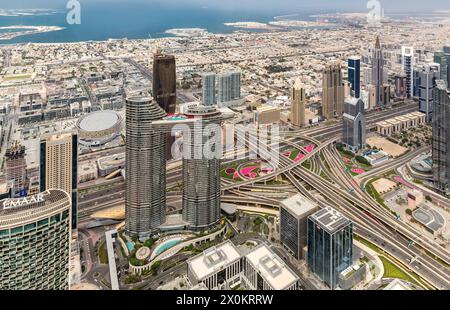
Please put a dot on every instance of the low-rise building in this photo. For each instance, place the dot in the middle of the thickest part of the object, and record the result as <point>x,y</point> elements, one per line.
<point>217,267</point>
<point>401,123</point>
<point>264,270</point>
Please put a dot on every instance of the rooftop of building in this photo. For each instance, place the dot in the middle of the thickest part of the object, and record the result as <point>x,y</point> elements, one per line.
<point>397,285</point>
<point>19,211</point>
<point>299,205</point>
<point>213,259</point>
<point>330,219</point>
<point>271,267</point>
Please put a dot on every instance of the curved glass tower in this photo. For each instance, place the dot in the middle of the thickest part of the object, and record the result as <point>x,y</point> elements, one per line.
<point>145,197</point>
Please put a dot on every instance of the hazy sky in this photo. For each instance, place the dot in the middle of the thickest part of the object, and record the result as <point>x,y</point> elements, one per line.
<point>332,5</point>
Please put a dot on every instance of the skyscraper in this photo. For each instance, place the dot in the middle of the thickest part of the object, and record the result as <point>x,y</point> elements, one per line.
<point>441,136</point>
<point>447,55</point>
<point>330,245</point>
<point>354,124</point>
<point>298,102</point>
<point>209,89</point>
<point>408,63</point>
<point>441,58</point>
<point>15,170</point>
<point>165,88</point>
<point>35,242</point>
<point>223,88</point>
<point>428,75</point>
<point>165,81</point>
<point>235,84</point>
<point>378,73</point>
<point>354,75</point>
<point>294,214</point>
<point>145,196</point>
<point>333,91</point>
<point>228,88</point>
<point>400,86</point>
<point>201,171</point>
<point>59,167</point>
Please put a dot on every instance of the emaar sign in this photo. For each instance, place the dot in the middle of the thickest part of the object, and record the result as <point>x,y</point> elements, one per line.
<point>13,203</point>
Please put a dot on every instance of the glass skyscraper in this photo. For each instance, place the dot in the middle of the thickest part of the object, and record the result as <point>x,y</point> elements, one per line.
<point>354,75</point>
<point>441,136</point>
<point>330,245</point>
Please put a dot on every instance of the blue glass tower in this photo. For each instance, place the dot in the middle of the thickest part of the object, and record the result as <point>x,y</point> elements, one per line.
<point>330,245</point>
<point>354,75</point>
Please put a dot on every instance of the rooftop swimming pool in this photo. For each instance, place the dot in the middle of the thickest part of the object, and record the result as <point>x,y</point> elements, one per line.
<point>166,245</point>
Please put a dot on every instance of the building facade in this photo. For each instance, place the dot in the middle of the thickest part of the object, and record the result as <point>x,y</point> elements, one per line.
<point>294,214</point>
<point>354,125</point>
<point>441,137</point>
<point>378,73</point>
<point>354,75</point>
<point>428,75</point>
<point>165,81</point>
<point>15,170</point>
<point>442,59</point>
<point>35,234</point>
<point>408,63</point>
<point>209,89</point>
<point>330,245</point>
<point>145,195</point>
<point>201,172</point>
<point>400,87</point>
<point>333,91</point>
<point>59,167</point>
<point>298,105</point>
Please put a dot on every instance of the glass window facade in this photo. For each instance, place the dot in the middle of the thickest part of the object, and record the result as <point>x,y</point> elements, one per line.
<point>329,253</point>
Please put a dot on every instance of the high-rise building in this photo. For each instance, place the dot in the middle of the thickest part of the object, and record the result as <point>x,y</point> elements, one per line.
<point>59,167</point>
<point>354,124</point>
<point>441,58</point>
<point>145,196</point>
<point>378,73</point>
<point>298,102</point>
<point>447,55</point>
<point>15,170</point>
<point>428,75</point>
<point>228,88</point>
<point>165,81</point>
<point>354,75</point>
<point>209,89</point>
<point>35,242</point>
<point>333,91</point>
<point>294,214</point>
<point>441,136</point>
<point>201,172</point>
<point>330,245</point>
<point>408,63</point>
<point>400,86</point>
<point>235,84</point>
<point>165,88</point>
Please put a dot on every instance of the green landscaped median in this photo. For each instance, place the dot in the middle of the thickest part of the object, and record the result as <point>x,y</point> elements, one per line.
<point>392,271</point>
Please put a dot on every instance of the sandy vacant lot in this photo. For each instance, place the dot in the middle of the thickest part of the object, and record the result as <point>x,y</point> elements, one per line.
<point>384,185</point>
<point>390,148</point>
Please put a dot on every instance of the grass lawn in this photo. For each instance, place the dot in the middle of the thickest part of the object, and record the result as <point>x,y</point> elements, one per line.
<point>375,195</point>
<point>392,271</point>
<point>103,254</point>
<point>307,164</point>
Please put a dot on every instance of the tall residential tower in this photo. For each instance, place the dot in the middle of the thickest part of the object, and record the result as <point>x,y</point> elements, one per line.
<point>145,196</point>
<point>333,91</point>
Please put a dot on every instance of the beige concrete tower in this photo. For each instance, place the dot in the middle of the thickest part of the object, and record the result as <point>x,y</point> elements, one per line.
<point>333,91</point>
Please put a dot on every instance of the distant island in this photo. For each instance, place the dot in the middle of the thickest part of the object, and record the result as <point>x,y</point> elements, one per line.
<point>26,30</point>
